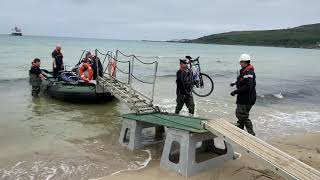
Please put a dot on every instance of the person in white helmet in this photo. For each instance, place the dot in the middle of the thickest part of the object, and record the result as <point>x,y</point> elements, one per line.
<point>246,93</point>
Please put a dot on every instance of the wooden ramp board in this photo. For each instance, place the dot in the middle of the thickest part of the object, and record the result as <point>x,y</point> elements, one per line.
<point>278,161</point>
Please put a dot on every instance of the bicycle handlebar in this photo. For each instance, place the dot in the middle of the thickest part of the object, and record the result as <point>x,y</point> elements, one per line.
<point>194,60</point>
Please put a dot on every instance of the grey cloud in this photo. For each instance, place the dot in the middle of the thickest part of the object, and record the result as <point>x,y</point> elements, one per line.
<point>153,19</point>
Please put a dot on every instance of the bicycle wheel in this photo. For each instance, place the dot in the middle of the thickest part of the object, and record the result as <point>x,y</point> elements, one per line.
<point>206,86</point>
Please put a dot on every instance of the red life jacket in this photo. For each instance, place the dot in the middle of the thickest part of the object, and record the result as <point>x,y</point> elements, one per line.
<point>248,68</point>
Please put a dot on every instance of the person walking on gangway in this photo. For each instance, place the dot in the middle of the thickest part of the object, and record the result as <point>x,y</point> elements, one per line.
<point>246,93</point>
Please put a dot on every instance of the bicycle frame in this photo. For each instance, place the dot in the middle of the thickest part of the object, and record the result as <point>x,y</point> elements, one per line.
<point>196,62</point>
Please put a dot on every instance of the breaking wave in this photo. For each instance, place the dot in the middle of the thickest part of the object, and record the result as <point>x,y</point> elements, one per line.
<point>304,94</point>
<point>63,169</point>
<point>282,123</point>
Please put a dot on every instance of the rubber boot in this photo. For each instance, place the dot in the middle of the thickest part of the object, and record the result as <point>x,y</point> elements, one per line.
<point>240,124</point>
<point>249,127</point>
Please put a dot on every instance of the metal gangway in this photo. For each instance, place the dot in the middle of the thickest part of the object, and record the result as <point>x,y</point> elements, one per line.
<point>122,88</point>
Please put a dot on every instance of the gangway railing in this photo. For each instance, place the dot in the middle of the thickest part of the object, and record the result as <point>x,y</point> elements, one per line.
<point>109,58</point>
<point>124,90</point>
<point>132,76</point>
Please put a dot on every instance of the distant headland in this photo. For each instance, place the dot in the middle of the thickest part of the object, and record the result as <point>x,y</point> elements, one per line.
<point>306,36</point>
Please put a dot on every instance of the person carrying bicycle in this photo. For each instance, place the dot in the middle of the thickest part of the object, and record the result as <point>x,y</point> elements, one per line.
<point>184,89</point>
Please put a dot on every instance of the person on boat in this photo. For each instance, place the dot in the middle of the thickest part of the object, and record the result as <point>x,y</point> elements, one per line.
<point>36,77</point>
<point>96,66</point>
<point>57,61</point>
<point>86,59</point>
<point>184,90</point>
<point>246,93</point>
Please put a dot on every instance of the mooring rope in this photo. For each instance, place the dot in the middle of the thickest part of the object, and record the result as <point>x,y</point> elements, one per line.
<point>146,82</point>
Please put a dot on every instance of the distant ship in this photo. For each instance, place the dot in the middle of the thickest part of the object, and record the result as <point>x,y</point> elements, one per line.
<point>16,31</point>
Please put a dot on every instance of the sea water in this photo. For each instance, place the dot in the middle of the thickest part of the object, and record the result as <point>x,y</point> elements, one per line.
<point>45,138</point>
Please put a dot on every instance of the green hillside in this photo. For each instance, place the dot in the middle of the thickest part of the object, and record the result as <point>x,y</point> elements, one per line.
<point>307,36</point>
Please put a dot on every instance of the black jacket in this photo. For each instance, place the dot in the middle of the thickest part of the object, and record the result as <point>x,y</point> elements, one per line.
<point>58,57</point>
<point>246,86</point>
<point>34,78</point>
<point>94,67</point>
<point>182,87</point>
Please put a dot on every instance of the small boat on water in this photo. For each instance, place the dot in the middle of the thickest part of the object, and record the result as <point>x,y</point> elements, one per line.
<point>69,87</point>
<point>16,31</point>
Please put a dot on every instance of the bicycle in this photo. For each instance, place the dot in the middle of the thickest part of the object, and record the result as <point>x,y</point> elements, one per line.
<point>199,83</point>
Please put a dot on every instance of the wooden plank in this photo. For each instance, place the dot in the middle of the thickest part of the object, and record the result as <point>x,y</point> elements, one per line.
<point>264,147</point>
<point>275,159</point>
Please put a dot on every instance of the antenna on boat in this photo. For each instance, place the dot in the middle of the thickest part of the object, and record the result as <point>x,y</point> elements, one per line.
<point>83,51</point>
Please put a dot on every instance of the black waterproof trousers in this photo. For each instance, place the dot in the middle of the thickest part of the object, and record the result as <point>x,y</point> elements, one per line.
<point>185,99</point>
<point>242,113</point>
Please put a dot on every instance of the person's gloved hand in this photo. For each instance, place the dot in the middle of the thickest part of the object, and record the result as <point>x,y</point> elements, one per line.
<point>233,93</point>
<point>232,84</point>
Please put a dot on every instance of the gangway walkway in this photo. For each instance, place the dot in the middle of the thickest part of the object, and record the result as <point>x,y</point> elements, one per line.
<point>136,101</point>
<point>277,160</point>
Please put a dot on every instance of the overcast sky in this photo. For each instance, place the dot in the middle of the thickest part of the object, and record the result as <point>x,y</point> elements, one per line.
<point>152,19</point>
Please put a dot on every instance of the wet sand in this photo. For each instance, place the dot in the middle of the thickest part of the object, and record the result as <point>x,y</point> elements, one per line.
<point>305,147</point>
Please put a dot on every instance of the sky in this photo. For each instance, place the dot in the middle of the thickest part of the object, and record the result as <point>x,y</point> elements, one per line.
<point>152,19</point>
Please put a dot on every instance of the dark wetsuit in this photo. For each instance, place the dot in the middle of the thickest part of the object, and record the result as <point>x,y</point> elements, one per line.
<point>35,80</point>
<point>58,57</point>
<point>96,62</point>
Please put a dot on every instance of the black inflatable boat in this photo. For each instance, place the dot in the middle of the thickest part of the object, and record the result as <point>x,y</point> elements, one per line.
<point>70,88</point>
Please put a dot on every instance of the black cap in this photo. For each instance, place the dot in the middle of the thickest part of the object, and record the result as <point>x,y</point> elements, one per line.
<point>183,61</point>
<point>188,57</point>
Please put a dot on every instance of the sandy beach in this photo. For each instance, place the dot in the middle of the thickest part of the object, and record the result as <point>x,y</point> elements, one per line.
<point>305,147</point>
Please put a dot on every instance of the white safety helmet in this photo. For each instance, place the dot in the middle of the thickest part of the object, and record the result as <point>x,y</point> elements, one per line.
<point>244,57</point>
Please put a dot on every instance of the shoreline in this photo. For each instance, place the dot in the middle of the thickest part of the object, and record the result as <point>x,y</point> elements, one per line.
<point>304,147</point>
<point>157,41</point>
<point>314,48</point>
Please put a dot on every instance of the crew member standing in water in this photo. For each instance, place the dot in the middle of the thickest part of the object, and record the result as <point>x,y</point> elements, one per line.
<point>246,93</point>
<point>35,77</point>
<point>184,90</point>
<point>57,61</point>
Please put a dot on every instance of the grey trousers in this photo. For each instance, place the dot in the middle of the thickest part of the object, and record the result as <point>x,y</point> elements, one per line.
<point>242,113</point>
<point>185,99</point>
